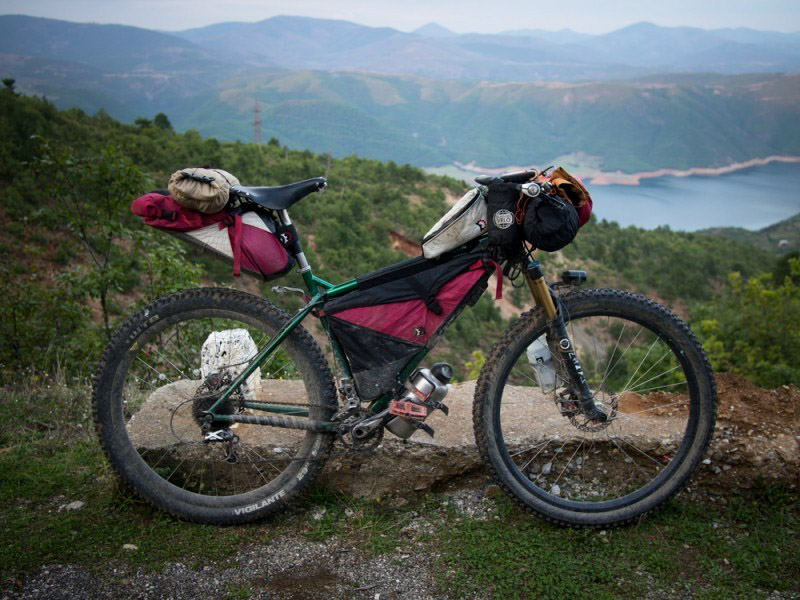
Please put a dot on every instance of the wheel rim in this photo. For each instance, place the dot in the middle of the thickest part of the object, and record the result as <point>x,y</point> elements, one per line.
<point>157,388</point>
<point>645,381</point>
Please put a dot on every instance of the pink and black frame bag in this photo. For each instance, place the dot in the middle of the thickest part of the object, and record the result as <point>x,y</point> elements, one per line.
<point>400,310</point>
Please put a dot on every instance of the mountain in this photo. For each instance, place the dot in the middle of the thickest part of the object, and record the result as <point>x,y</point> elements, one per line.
<point>360,224</point>
<point>689,49</point>
<point>432,51</point>
<point>366,94</point>
<point>104,66</point>
<point>434,30</point>
<point>746,35</point>
<point>770,238</point>
<point>562,36</point>
<point>670,121</point>
<point>107,47</point>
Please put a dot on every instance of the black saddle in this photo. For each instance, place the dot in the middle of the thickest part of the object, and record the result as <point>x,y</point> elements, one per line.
<point>279,197</point>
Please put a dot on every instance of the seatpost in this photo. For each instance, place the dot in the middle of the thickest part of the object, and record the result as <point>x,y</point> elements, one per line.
<point>295,248</point>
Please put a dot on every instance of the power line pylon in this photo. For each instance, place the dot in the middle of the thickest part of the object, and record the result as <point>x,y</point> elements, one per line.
<point>256,124</point>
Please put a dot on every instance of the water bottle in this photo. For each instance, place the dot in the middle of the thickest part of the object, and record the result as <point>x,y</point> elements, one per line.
<point>424,392</point>
<point>541,360</point>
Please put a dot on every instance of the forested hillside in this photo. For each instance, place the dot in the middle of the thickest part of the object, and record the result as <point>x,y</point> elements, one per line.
<point>425,101</point>
<point>75,262</point>
<point>783,236</point>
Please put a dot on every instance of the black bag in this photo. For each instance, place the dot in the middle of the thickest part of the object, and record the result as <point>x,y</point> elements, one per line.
<point>505,237</point>
<point>550,223</point>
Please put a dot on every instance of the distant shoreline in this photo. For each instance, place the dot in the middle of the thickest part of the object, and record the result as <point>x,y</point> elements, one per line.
<point>597,177</point>
<point>619,178</point>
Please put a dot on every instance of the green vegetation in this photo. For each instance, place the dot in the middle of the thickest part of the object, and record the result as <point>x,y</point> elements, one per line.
<point>743,545</point>
<point>67,182</point>
<point>689,549</point>
<point>676,266</point>
<point>76,262</point>
<point>768,238</point>
<point>753,330</point>
<point>662,122</point>
<point>49,458</point>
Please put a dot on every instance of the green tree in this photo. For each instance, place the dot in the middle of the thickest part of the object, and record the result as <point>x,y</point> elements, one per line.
<point>40,325</point>
<point>161,121</point>
<point>754,328</point>
<point>92,197</point>
<point>163,263</point>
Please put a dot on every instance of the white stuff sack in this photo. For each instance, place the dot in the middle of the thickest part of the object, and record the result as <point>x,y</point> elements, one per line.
<point>462,223</point>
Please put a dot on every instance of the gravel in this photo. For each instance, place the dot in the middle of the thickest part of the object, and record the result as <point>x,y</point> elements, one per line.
<point>287,567</point>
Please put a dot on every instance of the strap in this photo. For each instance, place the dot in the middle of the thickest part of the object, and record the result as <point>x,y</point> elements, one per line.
<point>236,221</point>
<point>522,205</point>
<point>498,291</point>
<point>200,178</point>
<point>222,174</point>
<point>431,303</point>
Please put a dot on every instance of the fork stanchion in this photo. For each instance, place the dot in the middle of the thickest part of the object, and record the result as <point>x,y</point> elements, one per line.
<point>539,290</point>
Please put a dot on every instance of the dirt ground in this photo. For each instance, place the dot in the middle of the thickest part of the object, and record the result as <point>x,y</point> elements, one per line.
<point>757,436</point>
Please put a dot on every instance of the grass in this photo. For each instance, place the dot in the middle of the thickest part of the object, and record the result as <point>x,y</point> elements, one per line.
<point>746,547</point>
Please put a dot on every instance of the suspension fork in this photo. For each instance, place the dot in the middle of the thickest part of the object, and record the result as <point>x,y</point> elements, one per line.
<point>557,329</point>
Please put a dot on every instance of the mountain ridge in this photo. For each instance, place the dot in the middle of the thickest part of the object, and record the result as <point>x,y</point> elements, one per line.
<point>354,104</point>
<point>309,43</point>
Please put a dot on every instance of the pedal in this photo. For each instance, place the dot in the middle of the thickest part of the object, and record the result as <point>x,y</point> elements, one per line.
<point>408,409</point>
<point>423,426</point>
<point>439,406</point>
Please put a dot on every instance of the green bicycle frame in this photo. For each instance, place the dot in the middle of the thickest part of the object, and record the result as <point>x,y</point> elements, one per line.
<point>320,291</point>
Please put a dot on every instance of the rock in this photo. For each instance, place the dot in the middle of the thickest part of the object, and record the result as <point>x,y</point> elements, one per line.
<point>130,547</point>
<point>231,347</point>
<point>318,513</point>
<point>77,505</point>
<point>403,470</point>
<point>492,491</point>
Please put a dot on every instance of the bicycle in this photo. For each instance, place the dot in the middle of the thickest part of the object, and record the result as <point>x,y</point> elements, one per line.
<point>591,410</point>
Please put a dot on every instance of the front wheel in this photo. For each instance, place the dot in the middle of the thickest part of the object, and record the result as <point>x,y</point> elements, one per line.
<point>649,372</point>
<point>168,365</point>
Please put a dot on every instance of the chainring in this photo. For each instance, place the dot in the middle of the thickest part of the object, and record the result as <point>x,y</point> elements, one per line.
<point>351,444</point>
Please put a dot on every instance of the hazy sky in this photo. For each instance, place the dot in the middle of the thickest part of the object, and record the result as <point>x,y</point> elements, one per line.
<point>461,16</point>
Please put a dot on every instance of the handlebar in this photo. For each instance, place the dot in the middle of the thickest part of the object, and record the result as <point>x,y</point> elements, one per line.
<point>519,180</point>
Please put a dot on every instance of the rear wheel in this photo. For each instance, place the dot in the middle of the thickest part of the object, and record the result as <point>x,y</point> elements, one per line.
<point>643,364</point>
<point>168,364</point>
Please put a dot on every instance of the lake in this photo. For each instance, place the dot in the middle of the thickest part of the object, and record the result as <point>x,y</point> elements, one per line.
<point>751,198</point>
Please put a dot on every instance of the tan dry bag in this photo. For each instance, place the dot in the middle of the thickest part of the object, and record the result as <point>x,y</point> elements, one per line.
<point>203,190</point>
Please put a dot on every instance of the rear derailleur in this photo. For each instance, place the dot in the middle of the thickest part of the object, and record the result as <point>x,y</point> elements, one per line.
<point>222,436</point>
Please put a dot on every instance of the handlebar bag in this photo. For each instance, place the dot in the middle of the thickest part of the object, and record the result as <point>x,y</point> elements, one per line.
<point>200,189</point>
<point>461,224</point>
<point>505,233</point>
<point>550,223</point>
<point>400,310</point>
<point>247,239</point>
